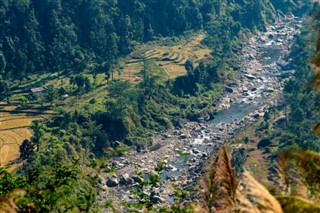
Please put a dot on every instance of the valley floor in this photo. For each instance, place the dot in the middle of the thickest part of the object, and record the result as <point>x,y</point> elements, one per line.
<point>186,150</point>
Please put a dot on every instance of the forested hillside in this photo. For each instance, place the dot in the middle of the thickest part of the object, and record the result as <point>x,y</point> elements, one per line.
<point>47,36</point>
<point>77,36</point>
<point>90,123</point>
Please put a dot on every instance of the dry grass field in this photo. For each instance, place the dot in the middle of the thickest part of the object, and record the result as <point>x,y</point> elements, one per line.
<point>13,130</point>
<point>171,58</point>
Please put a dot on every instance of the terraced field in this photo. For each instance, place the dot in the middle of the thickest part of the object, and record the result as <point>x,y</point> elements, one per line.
<point>171,58</point>
<point>13,130</point>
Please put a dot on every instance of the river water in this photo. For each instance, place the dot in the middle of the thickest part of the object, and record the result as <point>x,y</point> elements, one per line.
<point>258,89</point>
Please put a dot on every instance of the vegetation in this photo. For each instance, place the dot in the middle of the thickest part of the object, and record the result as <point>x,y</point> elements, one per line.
<point>79,45</point>
<point>224,193</point>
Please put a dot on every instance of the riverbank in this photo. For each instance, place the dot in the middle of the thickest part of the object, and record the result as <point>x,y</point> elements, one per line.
<point>257,88</point>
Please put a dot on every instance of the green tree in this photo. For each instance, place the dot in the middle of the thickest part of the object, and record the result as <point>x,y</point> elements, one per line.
<point>79,80</point>
<point>38,133</point>
<point>189,67</point>
<point>51,95</point>
<point>87,84</point>
<point>26,149</point>
<point>5,90</point>
<point>153,75</point>
<point>9,182</point>
<point>2,63</point>
<point>297,115</point>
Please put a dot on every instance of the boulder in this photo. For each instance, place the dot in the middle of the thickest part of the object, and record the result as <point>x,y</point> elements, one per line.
<point>281,121</point>
<point>184,136</point>
<point>117,165</point>
<point>157,200</point>
<point>116,144</point>
<point>229,89</point>
<point>250,77</point>
<point>125,180</point>
<point>204,156</point>
<point>256,116</point>
<point>268,90</point>
<point>195,151</point>
<point>112,182</point>
<point>270,36</point>
<point>171,167</point>
<point>137,179</point>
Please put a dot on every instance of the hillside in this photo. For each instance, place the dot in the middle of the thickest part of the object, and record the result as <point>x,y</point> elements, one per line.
<point>120,105</point>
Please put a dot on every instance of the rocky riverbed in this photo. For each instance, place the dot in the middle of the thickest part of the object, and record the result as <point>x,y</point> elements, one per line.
<point>259,86</point>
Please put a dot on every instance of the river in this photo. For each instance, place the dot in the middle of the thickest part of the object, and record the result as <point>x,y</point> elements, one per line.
<point>260,85</point>
<point>257,90</point>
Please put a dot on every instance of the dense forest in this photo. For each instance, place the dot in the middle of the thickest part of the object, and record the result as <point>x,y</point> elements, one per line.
<point>62,161</point>
<point>47,36</point>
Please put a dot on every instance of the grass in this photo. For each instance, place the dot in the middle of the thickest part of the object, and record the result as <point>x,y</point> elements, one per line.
<point>110,170</point>
<point>256,162</point>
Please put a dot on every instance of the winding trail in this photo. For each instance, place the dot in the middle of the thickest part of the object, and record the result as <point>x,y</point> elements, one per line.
<point>257,90</point>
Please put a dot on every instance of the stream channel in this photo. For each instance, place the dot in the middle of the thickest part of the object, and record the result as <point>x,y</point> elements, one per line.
<point>261,82</point>
<point>257,89</point>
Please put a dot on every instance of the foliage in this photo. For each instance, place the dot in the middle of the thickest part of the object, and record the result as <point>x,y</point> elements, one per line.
<point>9,182</point>
<point>26,149</point>
<point>50,188</point>
<point>73,36</point>
<point>224,192</point>
<point>297,204</point>
<point>239,157</point>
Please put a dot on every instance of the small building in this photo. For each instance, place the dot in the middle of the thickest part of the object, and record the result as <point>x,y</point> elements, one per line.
<point>37,90</point>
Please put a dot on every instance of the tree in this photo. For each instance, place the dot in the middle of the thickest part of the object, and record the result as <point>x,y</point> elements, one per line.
<point>79,80</point>
<point>38,132</point>
<point>9,182</point>
<point>5,90</point>
<point>2,63</point>
<point>21,65</point>
<point>26,149</point>
<point>239,157</point>
<point>297,115</point>
<point>122,98</point>
<point>51,95</point>
<point>266,116</point>
<point>23,102</point>
<point>152,76</point>
<point>189,67</point>
<point>87,84</point>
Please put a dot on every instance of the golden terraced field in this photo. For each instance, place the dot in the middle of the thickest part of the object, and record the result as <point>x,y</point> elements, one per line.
<point>171,58</point>
<point>13,130</point>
